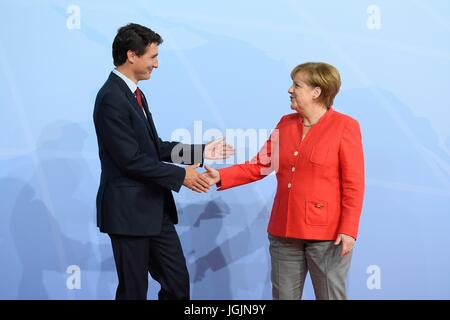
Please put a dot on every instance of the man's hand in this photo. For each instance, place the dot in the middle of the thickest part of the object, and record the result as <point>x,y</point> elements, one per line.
<point>195,180</point>
<point>347,243</point>
<point>212,175</point>
<point>218,149</point>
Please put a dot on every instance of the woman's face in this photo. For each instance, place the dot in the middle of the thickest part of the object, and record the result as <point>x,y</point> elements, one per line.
<point>302,95</point>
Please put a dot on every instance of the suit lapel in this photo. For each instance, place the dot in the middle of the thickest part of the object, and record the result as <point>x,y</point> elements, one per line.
<point>150,118</point>
<point>149,121</point>
<point>138,109</point>
<point>135,105</point>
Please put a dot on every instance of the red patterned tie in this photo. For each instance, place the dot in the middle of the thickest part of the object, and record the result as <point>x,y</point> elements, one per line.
<point>139,97</point>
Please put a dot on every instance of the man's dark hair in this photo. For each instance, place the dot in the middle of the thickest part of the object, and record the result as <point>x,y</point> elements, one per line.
<point>132,37</point>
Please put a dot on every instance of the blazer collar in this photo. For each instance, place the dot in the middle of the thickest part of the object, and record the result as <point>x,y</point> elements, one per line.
<point>323,118</point>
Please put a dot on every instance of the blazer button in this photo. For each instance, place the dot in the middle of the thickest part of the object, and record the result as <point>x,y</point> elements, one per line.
<point>319,205</point>
<point>289,185</point>
<point>296,153</point>
<point>293,169</point>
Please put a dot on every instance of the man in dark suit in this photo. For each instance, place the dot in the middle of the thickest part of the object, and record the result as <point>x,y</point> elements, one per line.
<point>135,205</point>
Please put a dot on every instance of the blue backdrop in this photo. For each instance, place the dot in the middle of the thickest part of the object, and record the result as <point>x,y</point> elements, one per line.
<point>226,64</point>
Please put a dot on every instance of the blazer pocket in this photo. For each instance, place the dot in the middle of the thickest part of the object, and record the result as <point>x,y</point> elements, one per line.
<point>317,213</point>
<point>319,156</point>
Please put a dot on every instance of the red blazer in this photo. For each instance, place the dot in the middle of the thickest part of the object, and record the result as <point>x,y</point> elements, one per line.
<point>320,179</point>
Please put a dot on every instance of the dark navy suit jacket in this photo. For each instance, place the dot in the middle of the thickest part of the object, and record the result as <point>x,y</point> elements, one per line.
<point>136,181</point>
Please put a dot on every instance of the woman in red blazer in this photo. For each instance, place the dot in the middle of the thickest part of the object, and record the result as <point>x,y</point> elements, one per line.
<point>318,158</point>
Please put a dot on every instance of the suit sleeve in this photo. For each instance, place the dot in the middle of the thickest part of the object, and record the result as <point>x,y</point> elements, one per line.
<point>351,161</point>
<point>181,153</point>
<point>117,136</point>
<point>256,169</point>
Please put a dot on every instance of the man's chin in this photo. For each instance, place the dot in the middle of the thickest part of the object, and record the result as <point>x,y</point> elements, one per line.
<point>146,75</point>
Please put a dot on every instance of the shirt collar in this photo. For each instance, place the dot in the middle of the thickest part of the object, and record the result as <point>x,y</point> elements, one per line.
<point>133,86</point>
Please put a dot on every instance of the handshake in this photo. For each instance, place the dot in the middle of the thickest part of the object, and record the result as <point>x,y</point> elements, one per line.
<point>201,182</point>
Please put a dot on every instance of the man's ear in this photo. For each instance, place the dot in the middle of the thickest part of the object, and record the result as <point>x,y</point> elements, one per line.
<point>131,56</point>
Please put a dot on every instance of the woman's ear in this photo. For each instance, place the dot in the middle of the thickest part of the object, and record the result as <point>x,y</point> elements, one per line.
<point>316,92</point>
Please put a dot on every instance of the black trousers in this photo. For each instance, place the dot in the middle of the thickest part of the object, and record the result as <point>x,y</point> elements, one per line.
<point>161,256</point>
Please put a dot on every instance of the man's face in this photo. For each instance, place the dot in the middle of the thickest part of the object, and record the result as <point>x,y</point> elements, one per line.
<point>143,66</point>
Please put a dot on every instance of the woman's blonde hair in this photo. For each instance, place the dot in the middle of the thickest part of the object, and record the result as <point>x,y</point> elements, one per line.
<point>322,75</point>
